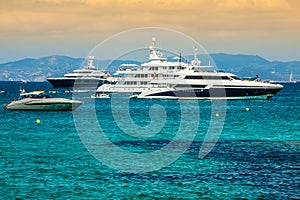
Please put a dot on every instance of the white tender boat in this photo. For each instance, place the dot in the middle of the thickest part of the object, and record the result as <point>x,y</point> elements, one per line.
<point>80,91</point>
<point>100,96</point>
<point>37,100</point>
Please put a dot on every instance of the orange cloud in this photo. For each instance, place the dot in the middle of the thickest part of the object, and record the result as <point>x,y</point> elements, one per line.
<point>91,18</point>
<point>253,5</point>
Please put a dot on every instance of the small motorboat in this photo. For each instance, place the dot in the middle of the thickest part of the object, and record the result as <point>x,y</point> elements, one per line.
<point>38,100</point>
<point>2,92</point>
<point>100,96</point>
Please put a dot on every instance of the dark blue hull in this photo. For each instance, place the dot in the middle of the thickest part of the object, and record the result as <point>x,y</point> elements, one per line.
<point>76,83</point>
<point>226,93</point>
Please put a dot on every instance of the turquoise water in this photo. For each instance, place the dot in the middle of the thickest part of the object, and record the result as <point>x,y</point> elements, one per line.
<point>256,156</point>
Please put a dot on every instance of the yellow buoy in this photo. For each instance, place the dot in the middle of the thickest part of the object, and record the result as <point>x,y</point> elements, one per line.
<point>217,115</point>
<point>38,121</point>
<point>247,109</point>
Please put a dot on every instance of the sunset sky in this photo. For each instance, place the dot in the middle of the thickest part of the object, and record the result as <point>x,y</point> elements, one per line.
<point>36,28</point>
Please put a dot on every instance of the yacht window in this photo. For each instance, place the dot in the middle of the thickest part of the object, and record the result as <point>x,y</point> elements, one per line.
<point>225,78</point>
<point>235,77</point>
<point>189,86</point>
<point>208,77</point>
<point>193,77</point>
<point>180,67</point>
<point>153,68</point>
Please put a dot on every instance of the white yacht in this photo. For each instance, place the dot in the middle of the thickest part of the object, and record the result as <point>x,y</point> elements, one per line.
<point>37,100</point>
<point>87,77</point>
<point>291,80</point>
<point>209,84</point>
<point>136,79</point>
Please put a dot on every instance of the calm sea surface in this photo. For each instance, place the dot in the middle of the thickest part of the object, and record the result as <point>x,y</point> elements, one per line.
<point>257,154</point>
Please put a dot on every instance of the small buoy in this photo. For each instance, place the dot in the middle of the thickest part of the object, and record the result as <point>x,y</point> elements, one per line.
<point>217,115</point>
<point>247,109</point>
<point>38,121</point>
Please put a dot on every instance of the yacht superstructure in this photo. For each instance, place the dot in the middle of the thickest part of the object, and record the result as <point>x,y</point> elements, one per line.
<point>135,80</point>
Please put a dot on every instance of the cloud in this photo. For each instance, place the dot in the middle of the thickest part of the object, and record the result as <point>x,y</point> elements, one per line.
<point>70,24</point>
<point>91,18</point>
<point>252,5</point>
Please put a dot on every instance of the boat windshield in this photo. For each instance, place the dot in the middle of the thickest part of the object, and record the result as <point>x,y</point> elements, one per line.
<point>35,96</point>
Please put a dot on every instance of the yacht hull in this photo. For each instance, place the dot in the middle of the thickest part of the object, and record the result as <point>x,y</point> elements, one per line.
<point>75,83</point>
<point>45,105</point>
<point>212,93</point>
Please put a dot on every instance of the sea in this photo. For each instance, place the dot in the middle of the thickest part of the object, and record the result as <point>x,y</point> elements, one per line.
<point>121,148</point>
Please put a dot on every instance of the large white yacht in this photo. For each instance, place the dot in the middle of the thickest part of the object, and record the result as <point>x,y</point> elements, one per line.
<point>87,77</point>
<point>210,84</point>
<point>136,79</point>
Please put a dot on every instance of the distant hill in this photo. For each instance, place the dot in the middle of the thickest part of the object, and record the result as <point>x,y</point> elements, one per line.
<point>38,69</point>
<point>252,65</point>
<point>50,66</point>
<point>56,66</point>
<point>249,65</point>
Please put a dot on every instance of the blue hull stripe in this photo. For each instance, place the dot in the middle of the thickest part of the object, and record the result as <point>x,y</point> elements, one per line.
<point>69,83</point>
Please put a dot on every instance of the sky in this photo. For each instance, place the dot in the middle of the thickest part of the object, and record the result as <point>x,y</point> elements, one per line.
<point>37,28</point>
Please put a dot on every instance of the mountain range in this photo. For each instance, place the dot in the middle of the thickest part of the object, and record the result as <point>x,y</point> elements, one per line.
<point>56,66</point>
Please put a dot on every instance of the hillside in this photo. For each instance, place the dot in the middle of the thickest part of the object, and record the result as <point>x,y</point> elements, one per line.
<point>56,66</point>
<point>51,66</point>
<point>249,65</point>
